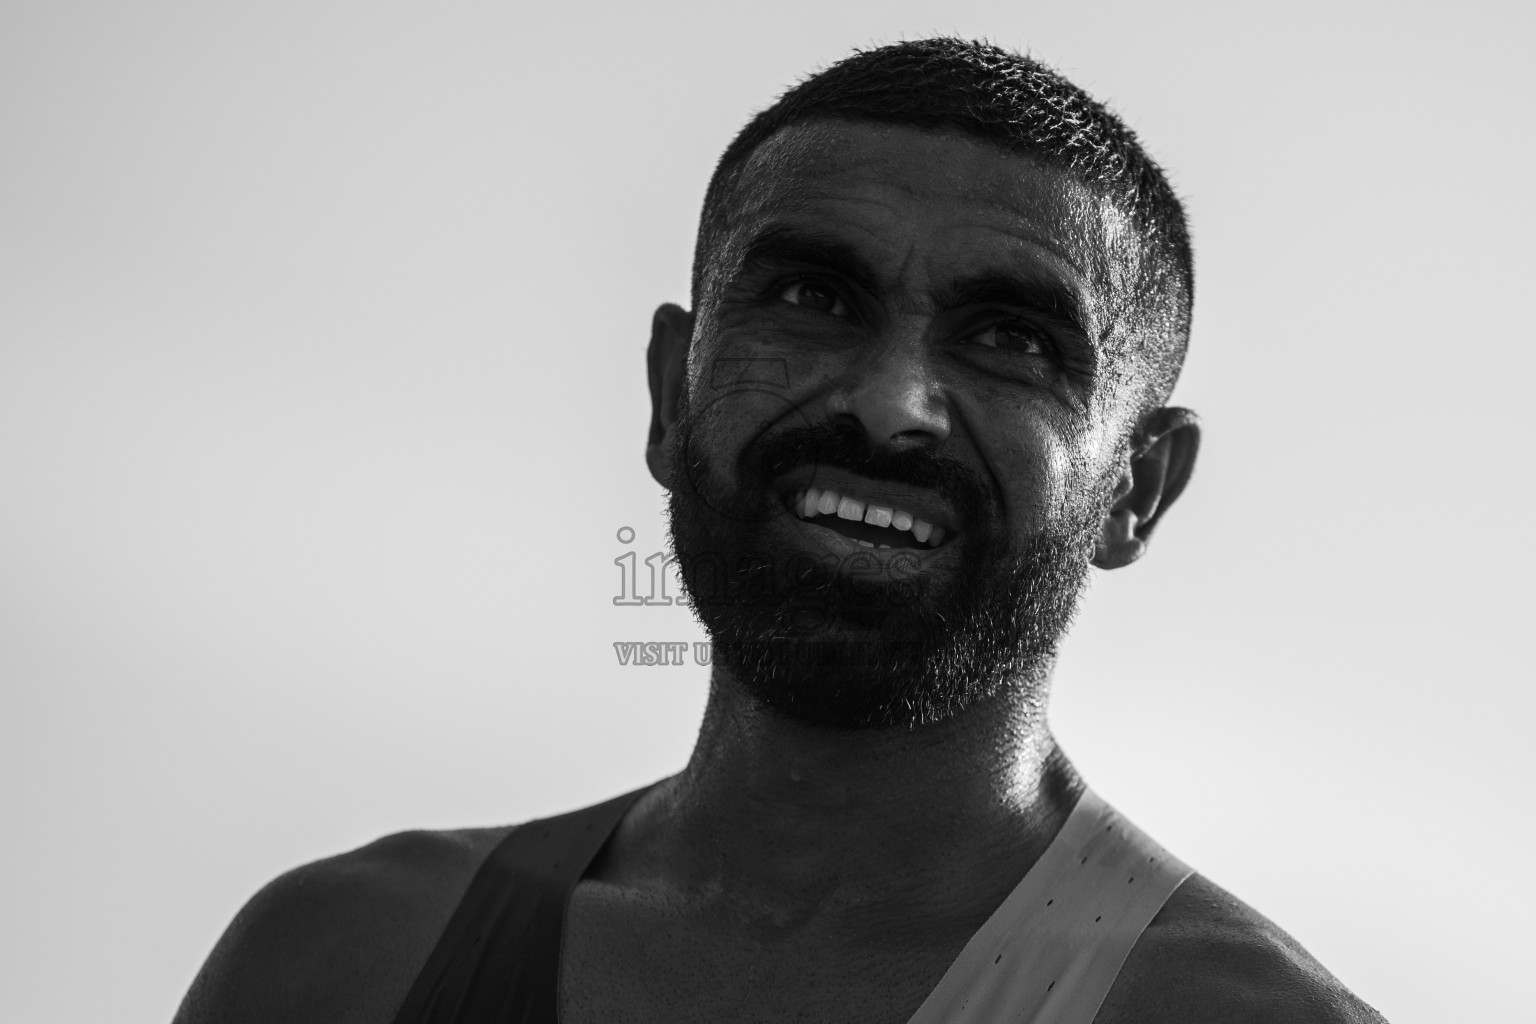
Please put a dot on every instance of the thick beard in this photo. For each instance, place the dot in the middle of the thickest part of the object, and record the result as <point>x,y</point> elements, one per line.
<point>868,650</point>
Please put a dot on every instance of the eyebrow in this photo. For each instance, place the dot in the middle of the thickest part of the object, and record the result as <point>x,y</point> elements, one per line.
<point>1052,301</point>
<point>1045,298</point>
<point>780,247</point>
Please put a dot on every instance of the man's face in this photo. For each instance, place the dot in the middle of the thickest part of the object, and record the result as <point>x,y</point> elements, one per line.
<point>902,422</point>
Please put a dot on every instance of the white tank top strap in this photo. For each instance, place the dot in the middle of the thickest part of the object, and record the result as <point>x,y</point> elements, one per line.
<point>1051,951</point>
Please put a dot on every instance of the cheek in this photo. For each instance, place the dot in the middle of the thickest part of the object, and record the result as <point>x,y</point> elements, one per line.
<point>791,362</point>
<point>1031,465</point>
<point>740,388</point>
<point>1049,472</point>
<point>1042,465</point>
<point>734,401</point>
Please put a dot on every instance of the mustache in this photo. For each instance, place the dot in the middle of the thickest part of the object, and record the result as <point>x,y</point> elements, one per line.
<point>848,447</point>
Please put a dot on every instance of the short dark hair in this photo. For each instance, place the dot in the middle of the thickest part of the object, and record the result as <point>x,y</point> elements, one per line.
<point>1016,102</point>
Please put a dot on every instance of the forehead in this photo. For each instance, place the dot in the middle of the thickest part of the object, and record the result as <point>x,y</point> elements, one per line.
<point>937,203</point>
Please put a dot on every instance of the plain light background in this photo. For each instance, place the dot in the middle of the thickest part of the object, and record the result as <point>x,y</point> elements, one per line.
<point>322,401</point>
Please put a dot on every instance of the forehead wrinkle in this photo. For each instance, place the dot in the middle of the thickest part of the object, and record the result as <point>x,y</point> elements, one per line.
<point>918,279</point>
<point>991,252</point>
<point>788,192</point>
<point>805,168</point>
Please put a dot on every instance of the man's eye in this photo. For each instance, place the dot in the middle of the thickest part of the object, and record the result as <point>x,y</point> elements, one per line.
<point>1012,337</point>
<point>816,296</point>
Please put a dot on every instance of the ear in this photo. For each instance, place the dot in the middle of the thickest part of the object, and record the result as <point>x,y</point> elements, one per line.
<point>667,365</point>
<point>1161,460</point>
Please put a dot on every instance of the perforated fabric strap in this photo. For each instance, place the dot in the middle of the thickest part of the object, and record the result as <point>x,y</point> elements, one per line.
<point>1051,951</point>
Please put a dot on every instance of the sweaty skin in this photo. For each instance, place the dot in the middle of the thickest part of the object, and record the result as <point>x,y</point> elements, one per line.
<point>791,872</point>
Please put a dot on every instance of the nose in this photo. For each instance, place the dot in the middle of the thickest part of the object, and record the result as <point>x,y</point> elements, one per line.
<point>892,392</point>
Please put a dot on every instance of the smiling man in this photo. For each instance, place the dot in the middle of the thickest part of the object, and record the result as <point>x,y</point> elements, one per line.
<point>940,300</point>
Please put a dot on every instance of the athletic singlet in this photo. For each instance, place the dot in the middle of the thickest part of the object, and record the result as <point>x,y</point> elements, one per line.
<point>1047,955</point>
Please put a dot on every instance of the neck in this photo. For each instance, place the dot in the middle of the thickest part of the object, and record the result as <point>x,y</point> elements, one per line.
<point>783,814</point>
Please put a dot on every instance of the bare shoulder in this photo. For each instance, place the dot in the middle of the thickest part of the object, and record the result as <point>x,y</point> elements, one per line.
<point>1209,958</point>
<point>342,939</point>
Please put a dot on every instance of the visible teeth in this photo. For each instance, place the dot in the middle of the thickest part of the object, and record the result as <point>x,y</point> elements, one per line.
<point>808,502</point>
<point>814,501</point>
<point>867,544</point>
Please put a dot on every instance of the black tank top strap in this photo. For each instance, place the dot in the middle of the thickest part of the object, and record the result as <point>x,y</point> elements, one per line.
<point>498,961</point>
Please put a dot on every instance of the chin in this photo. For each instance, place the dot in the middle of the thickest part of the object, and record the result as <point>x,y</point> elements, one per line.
<point>858,686</point>
<point>854,671</point>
